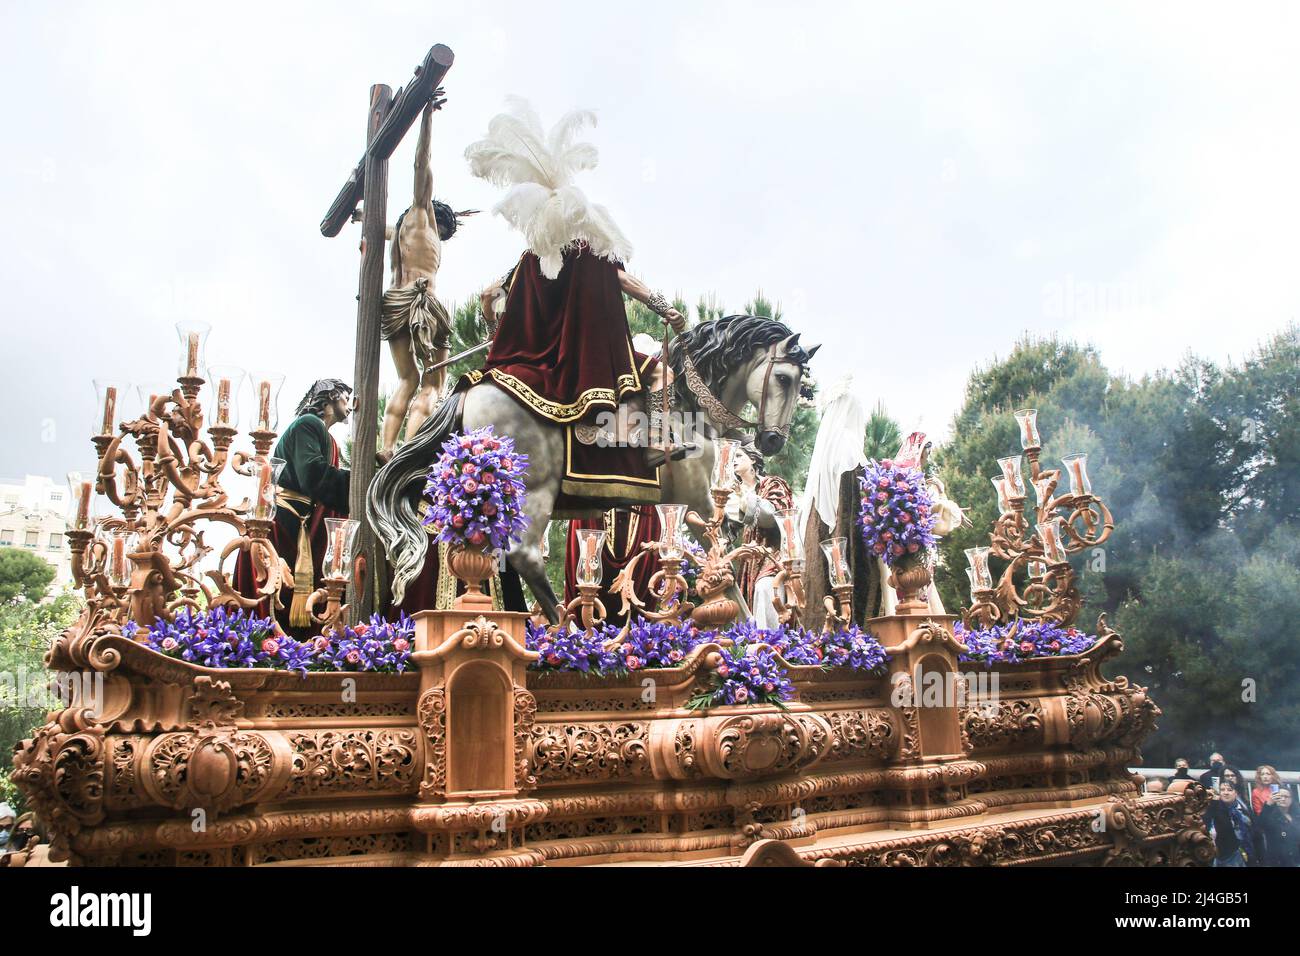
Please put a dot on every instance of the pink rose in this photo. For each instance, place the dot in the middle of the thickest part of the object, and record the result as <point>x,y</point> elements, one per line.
<point>723,670</point>
<point>913,547</point>
<point>477,449</point>
<point>768,686</point>
<point>466,442</point>
<point>898,550</point>
<point>401,644</point>
<point>633,663</point>
<point>271,646</point>
<point>489,509</point>
<point>321,644</point>
<point>488,478</point>
<point>742,695</point>
<point>477,538</point>
<point>447,474</point>
<point>507,464</point>
<point>169,643</point>
<point>361,630</point>
<point>470,486</point>
<point>354,656</point>
<point>1026,647</point>
<point>458,522</point>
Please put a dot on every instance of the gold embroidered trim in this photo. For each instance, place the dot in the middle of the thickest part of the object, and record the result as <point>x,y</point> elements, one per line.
<point>570,473</point>
<point>609,489</point>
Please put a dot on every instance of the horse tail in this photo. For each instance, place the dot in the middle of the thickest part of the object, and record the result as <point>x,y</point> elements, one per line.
<point>393,502</point>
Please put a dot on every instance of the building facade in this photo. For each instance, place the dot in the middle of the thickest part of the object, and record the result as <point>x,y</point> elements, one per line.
<point>33,517</point>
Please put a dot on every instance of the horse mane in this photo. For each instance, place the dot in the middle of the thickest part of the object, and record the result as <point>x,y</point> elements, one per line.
<point>721,346</point>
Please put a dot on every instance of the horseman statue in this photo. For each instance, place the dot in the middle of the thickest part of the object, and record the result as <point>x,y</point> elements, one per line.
<point>562,368</point>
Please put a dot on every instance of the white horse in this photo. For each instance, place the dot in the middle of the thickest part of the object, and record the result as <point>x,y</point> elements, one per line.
<point>734,361</point>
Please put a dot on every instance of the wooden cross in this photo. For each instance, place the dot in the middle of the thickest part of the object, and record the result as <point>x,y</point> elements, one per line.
<point>389,119</point>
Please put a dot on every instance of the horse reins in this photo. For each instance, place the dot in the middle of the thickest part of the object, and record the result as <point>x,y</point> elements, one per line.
<point>722,416</point>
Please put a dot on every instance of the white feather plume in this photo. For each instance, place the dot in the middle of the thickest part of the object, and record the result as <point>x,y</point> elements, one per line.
<point>538,167</point>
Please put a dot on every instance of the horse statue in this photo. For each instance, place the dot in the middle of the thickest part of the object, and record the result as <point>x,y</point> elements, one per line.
<point>718,367</point>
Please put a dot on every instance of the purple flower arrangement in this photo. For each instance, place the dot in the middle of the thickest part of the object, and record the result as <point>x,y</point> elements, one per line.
<point>851,647</point>
<point>896,514</point>
<point>377,645</point>
<point>476,491</point>
<point>572,651</point>
<point>746,676</point>
<point>218,638</point>
<point>658,644</point>
<point>992,645</point>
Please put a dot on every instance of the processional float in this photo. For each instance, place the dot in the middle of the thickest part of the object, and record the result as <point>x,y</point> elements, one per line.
<point>474,754</point>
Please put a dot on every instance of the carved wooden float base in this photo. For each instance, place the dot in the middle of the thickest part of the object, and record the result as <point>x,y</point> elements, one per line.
<point>472,759</point>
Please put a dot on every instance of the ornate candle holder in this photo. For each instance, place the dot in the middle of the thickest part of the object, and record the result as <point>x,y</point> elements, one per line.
<point>788,587</point>
<point>1062,525</point>
<point>587,610</point>
<point>164,477</point>
<point>839,603</point>
<point>341,534</point>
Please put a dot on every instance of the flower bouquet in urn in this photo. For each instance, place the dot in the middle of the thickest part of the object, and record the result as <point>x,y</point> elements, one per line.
<point>898,525</point>
<point>476,495</point>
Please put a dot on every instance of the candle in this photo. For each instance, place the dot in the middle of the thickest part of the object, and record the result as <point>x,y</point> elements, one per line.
<point>340,548</point>
<point>670,524</point>
<point>1004,496</point>
<point>265,503</point>
<point>223,402</point>
<point>979,564</point>
<point>264,406</point>
<point>974,584</point>
<point>787,522</point>
<point>84,492</point>
<point>1027,420</point>
<point>1049,532</point>
<point>192,355</point>
<point>1037,570</point>
<point>110,409</point>
<point>724,467</point>
<point>836,563</point>
<point>117,567</point>
<point>1077,468</point>
<point>590,541</point>
<point>1011,471</point>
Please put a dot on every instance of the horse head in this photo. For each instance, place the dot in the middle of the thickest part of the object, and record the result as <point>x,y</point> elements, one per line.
<point>748,359</point>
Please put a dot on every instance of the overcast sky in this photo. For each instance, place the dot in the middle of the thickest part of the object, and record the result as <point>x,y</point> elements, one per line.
<point>917,185</point>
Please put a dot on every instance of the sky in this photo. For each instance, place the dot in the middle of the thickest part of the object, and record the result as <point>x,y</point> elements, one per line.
<point>917,185</point>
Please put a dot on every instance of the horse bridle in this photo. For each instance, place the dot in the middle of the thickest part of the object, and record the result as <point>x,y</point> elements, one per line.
<point>721,415</point>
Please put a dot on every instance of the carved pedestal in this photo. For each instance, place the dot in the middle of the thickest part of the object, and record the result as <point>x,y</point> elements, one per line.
<point>927,687</point>
<point>476,715</point>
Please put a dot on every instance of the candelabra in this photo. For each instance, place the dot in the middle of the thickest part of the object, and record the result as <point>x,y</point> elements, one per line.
<point>715,576</point>
<point>1063,525</point>
<point>165,479</point>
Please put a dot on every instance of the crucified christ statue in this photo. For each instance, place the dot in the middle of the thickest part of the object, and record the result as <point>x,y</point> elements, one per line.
<point>414,323</point>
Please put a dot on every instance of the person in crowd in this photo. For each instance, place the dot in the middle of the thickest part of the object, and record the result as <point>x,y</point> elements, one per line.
<point>1182,770</point>
<point>6,829</point>
<point>1209,779</point>
<point>1232,825</point>
<point>1277,826</point>
<point>1267,783</point>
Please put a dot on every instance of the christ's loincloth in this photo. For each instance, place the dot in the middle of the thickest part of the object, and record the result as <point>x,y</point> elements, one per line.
<point>415,311</point>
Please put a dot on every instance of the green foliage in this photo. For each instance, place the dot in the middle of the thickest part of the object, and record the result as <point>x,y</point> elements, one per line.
<point>26,630</point>
<point>23,575</point>
<point>791,463</point>
<point>883,435</point>
<point>1199,467</point>
<point>762,305</point>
